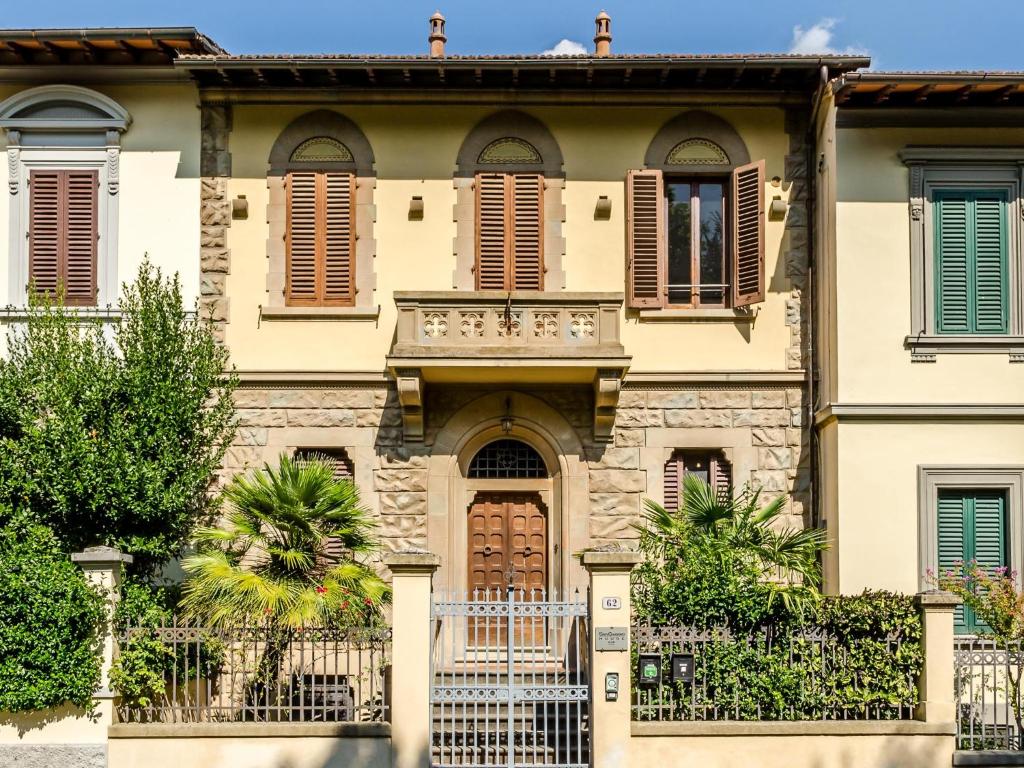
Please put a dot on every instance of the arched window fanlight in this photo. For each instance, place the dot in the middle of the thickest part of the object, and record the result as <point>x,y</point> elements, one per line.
<point>697,152</point>
<point>507,459</point>
<point>321,149</point>
<point>509,150</point>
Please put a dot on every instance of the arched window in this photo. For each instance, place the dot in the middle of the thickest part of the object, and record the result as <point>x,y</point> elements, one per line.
<point>696,219</point>
<point>63,151</point>
<point>319,169</point>
<point>507,459</point>
<point>512,166</point>
<point>710,466</point>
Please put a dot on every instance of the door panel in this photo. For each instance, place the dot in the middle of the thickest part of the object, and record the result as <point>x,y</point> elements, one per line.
<point>507,534</point>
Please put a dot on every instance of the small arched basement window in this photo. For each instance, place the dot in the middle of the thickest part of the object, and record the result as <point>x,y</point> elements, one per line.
<point>507,460</point>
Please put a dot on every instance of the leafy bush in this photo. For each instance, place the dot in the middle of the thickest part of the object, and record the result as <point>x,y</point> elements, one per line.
<point>49,620</point>
<point>843,656</point>
<point>115,442</point>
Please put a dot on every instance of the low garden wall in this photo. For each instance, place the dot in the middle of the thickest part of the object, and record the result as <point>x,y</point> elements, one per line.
<point>251,745</point>
<point>850,744</point>
<point>66,737</point>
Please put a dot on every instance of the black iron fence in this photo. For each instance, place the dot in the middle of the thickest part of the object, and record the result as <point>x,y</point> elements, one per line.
<point>256,674</point>
<point>987,688</point>
<point>686,674</point>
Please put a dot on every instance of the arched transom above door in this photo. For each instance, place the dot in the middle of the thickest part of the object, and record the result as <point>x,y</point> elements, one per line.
<point>507,460</point>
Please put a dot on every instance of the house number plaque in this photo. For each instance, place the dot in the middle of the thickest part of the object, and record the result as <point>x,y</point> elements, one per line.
<point>612,639</point>
<point>611,603</point>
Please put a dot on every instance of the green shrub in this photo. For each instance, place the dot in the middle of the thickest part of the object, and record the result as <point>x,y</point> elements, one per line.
<point>115,442</point>
<point>49,621</point>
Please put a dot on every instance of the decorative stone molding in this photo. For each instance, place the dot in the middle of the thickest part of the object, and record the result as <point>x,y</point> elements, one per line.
<point>607,386</point>
<point>13,163</point>
<point>666,150</point>
<point>214,215</point>
<point>410,396</point>
<point>526,131</point>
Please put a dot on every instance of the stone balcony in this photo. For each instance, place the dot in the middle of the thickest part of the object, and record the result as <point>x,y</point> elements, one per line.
<point>500,337</point>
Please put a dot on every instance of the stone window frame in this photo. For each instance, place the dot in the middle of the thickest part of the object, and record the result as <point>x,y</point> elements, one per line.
<point>516,125</point>
<point>931,478</point>
<point>966,167</point>
<point>332,125</point>
<point>82,131</point>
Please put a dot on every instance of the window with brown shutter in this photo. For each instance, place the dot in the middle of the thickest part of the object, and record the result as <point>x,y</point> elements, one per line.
<point>695,241</point>
<point>710,466</point>
<point>509,231</point>
<point>320,239</point>
<point>63,234</point>
<point>748,234</point>
<point>338,459</point>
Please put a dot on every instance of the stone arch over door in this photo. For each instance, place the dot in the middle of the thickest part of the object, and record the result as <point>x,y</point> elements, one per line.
<point>565,492</point>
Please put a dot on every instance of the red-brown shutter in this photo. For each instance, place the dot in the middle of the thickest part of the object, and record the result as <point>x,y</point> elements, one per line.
<point>492,246</point>
<point>339,239</point>
<point>720,473</point>
<point>320,239</point>
<point>528,232</point>
<point>301,288</point>
<point>673,482</point>
<point>63,233</point>
<point>646,248</point>
<point>748,234</point>
<point>45,231</point>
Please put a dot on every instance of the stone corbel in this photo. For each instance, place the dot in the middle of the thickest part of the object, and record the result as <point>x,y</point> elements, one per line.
<point>113,162</point>
<point>916,191</point>
<point>13,161</point>
<point>410,397</point>
<point>607,386</point>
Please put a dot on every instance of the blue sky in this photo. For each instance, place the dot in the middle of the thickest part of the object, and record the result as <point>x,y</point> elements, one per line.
<point>899,34</point>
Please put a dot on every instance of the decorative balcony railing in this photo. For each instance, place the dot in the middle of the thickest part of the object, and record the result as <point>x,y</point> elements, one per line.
<point>521,323</point>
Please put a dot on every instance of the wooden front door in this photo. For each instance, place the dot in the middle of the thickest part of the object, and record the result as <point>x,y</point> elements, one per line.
<point>507,539</point>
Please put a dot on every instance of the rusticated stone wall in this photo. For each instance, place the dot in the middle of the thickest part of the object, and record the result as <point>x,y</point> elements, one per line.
<point>214,216</point>
<point>759,428</point>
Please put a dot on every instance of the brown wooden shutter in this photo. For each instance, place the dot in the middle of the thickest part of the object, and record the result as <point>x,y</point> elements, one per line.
<point>748,234</point>
<point>493,256</point>
<point>339,239</point>
<point>646,247</point>
<point>528,232</point>
<point>45,231</point>
<point>673,482</point>
<point>63,233</point>
<point>321,239</point>
<point>720,472</point>
<point>301,282</point>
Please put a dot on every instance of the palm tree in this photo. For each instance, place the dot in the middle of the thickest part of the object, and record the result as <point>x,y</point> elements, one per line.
<point>739,527</point>
<point>288,553</point>
<point>287,557</point>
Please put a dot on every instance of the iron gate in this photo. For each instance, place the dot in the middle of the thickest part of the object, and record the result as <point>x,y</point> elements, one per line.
<point>509,680</point>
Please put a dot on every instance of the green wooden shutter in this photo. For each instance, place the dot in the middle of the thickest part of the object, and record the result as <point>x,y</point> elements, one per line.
<point>971,526</point>
<point>971,277</point>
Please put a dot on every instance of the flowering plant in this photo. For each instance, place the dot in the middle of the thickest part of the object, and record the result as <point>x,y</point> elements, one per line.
<point>991,593</point>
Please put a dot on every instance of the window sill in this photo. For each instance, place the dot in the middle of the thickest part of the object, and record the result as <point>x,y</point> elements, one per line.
<point>924,348</point>
<point>320,313</point>
<point>697,315</point>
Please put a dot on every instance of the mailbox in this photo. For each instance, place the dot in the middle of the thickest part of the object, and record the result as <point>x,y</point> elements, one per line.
<point>682,668</point>
<point>648,670</point>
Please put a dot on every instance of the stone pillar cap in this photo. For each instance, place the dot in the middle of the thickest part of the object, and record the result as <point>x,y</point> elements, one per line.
<point>412,561</point>
<point>101,555</point>
<point>611,558</point>
<point>936,598</point>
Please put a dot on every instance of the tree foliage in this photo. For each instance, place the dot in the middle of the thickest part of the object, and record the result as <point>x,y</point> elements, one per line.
<point>110,434</point>
<point>49,618</point>
<point>288,553</point>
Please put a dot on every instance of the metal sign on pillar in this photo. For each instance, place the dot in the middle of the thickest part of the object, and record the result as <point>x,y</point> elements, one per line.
<point>510,683</point>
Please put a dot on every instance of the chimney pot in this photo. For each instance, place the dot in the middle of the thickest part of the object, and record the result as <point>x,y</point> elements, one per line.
<point>603,38</point>
<point>437,38</point>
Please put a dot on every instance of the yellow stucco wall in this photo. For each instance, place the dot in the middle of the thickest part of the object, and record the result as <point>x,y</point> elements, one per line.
<point>415,150</point>
<point>873,279</point>
<point>159,182</point>
<point>876,492</point>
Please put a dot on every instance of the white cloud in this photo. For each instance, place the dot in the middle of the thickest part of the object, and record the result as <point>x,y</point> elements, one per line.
<point>566,47</point>
<point>818,39</point>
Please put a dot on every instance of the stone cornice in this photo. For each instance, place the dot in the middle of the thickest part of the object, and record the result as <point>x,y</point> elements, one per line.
<point>920,412</point>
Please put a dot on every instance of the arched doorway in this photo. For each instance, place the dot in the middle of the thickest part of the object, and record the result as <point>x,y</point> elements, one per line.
<point>507,527</point>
